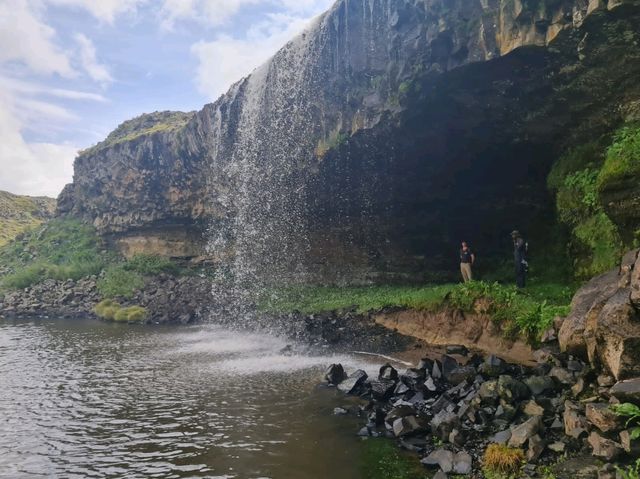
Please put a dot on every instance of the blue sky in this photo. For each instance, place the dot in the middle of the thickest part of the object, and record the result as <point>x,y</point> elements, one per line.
<point>72,70</point>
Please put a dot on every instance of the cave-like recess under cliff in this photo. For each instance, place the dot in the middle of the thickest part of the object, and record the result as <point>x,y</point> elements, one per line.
<point>382,186</point>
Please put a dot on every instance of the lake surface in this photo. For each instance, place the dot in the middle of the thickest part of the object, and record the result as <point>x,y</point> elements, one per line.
<point>93,399</point>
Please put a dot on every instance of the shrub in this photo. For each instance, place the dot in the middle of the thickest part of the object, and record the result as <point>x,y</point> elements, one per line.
<point>623,158</point>
<point>149,265</point>
<point>111,310</point>
<point>107,309</point>
<point>502,462</point>
<point>62,249</point>
<point>132,314</point>
<point>631,472</point>
<point>119,282</point>
<point>632,413</point>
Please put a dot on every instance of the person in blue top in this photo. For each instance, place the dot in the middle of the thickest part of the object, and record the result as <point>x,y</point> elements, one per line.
<point>520,258</point>
<point>467,258</point>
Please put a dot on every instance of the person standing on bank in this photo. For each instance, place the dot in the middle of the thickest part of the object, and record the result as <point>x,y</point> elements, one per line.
<point>467,258</point>
<point>520,258</point>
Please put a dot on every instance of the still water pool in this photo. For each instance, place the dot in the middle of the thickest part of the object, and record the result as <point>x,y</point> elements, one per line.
<point>92,399</point>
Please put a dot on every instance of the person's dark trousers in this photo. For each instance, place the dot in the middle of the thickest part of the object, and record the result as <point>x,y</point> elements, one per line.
<point>521,275</point>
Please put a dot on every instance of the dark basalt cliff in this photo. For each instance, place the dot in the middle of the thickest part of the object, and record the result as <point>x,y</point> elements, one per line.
<point>370,144</point>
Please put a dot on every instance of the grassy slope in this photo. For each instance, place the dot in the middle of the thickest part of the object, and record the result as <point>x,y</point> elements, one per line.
<point>21,213</point>
<point>527,312</point>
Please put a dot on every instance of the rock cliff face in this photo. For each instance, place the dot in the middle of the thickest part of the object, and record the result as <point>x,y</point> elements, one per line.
<point>374,140</point>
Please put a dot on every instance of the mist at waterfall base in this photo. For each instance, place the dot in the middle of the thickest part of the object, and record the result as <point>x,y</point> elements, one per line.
<point>93,399</point>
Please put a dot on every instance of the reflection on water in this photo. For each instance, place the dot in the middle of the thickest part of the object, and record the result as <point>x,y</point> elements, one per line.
<point>92,399</point>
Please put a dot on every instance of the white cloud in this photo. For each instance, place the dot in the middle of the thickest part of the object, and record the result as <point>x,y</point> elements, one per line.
<point>103,10</point>
<point>213,12</point>
<point>89,61</point>
<point>34,169</point>
<point>226,59</point>
<point>27,40</point>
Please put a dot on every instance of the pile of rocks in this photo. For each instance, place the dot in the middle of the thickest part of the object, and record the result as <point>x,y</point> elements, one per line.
<point>56,298</point>
<point>449,410</point>
<point>168,299</point>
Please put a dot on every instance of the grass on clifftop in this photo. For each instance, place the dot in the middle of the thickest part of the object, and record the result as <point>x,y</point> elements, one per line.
<point>527,312</point>
<point>21,213</point>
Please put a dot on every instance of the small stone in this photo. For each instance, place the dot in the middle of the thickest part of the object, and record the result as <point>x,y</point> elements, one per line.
<point>457,438</point>
<point>604,448</point>
<point>436,372</point>
<point>631,447</point>
<point>388,372</point>
<point>400,389</point>
<point>488,392</point>
<point>549,336</point>
<point>493,366</point>
<point>604,380</point>
<point>521,434</point>
<point>539,384</point>
<point>536,446</point>
<point>575,424</point>
<point>462,463</point>
<point>340,411</point>
<point>430,384</point>
<point>382,389</point>
<point>501,437</point>
<point>443,424</point>
<point>440,475</point>
<point>602,417</point>
<point>511,389</point>
<point>406,425</point>
<point>532,408</point>
<point>460,374</point>
<point>457,349</point>
<point>441,458</point>
<point>351,384</point>
<point>578,387</point>
<point>426,364</point>
<point>335,374</point>
<point>364,432</point>
<point>558,447</point>
<point>608,471</point>
<point>564,376</point>
<point>627,391</point>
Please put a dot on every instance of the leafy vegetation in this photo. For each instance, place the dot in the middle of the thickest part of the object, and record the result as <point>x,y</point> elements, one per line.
<point>118,281</point>
<point>62,249</point>
<point>527,312</point>
<point>622,158</point>
<point>632,413</point>
<point>631,472</point>
<point>111,310</point>
<point>381,459</point>
<point>596,244</point>
<point>502,462</point>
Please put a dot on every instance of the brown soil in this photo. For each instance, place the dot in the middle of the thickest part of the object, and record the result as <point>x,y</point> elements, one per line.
<point>475,331</point>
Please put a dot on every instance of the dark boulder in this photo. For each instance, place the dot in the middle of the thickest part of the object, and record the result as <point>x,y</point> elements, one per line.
<point>352,383</point>
<point>335,374</point>
<point>493,366</point>
<point>388,372</point>
<point>511,390</point>
<point>627,391</point>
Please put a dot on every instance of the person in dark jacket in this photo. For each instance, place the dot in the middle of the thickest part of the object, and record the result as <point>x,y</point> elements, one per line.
<point>467,258</point>
<point>520,258</point>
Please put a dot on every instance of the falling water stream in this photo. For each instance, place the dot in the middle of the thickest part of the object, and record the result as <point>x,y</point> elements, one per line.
<point>92,399</point>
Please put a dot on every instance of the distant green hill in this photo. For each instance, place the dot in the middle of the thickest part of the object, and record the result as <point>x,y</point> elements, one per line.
<point>20,213</point>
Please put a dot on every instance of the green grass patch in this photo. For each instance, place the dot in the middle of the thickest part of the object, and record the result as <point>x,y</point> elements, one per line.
<point>382,459</point>
<point>112,311</point>
<point>61,249</point>
<point>576,179</point>
<point>150,265</point>
<point>525,312</point>
<point>118,281</point>
<point>622,159</point>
